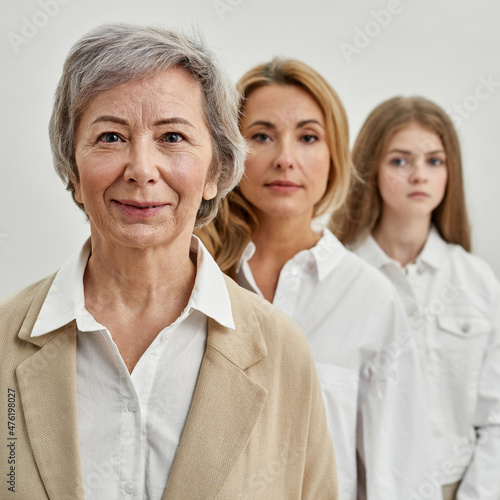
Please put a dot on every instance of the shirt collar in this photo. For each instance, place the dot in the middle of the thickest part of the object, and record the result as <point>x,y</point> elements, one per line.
<point>326,254</point>
<point>65,301</point>
<point>210,295</point>
<point>431,255</point>
<point>246,255</point>
<point>434,250</point>
<point>370,251</point>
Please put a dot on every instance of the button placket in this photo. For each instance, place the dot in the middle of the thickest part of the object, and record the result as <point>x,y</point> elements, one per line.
<point>131,456</point>
<point>288,287</point>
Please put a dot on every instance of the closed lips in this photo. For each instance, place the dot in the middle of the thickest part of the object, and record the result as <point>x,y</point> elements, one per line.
<point>141,205</point>
<point>282,183</point>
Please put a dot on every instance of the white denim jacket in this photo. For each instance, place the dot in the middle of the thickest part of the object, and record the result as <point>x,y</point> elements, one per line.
<point>368,369</point>
<point>452,299</point>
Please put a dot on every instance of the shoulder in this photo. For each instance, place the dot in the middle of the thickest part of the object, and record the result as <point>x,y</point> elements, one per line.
<point>460,256</point>
<point>254,314</point>
<point>352,268</point>
<point>371,284</point>
<point>26,302</point>
<point>368,271</point>
<point>471,270</point>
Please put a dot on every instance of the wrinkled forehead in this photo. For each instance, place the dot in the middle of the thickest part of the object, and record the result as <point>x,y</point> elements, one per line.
<point>172,94</point>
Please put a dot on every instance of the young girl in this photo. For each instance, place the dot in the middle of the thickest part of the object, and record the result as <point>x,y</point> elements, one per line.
<point>297,167</point>
<point>406,215</point>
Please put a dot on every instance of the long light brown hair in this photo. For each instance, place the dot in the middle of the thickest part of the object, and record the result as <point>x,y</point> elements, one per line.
<point>229,233</point>
<point>363,207</point>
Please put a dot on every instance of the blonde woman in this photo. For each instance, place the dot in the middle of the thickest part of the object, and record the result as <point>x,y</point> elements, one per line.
<point>297,167</point>
<point>406,215</point>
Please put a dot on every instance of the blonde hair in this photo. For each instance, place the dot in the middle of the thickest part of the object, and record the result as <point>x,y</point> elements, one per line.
<point>228,234</point>
<point>362,209</point>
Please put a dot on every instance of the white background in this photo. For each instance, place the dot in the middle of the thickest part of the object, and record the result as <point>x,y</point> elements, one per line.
<point>438,49</point>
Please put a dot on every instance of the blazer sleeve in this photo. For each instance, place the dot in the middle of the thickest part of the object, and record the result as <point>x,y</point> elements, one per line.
<point>320,472</point>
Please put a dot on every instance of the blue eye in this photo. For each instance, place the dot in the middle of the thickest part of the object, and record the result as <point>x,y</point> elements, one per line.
<point>261,137</point>
<point>173,137</point>
<point>109,137</point>
<point>436,162</point>
<point>398,162</point>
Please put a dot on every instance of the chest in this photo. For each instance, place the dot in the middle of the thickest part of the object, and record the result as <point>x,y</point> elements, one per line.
<point>123,416</point>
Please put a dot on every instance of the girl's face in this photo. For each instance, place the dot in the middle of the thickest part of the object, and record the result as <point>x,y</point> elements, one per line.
<point>412,174</point>
<point>286,171</point>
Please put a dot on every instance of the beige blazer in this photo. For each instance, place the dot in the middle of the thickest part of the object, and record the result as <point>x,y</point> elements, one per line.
<point>256,428</point>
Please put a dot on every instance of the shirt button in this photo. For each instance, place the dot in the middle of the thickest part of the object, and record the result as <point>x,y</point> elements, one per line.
<point>130,487</point>
<point>465,327</point>
<point>294,271</point>
<point>132,406</point>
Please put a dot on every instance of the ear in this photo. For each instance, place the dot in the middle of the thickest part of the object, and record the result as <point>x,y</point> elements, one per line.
<point>78,191</point>
<point>210,189</point>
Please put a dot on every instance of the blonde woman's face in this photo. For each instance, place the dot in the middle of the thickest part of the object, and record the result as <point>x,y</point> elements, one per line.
<point>412,174</point>
<point>286,171</point>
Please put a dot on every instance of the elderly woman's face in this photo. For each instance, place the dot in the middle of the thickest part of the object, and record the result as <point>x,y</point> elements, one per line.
<point>144,157</point>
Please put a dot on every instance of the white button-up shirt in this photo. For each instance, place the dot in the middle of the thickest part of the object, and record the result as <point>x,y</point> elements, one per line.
<point>453,301</point>
<point>130,425</point>
<point>367,366</point>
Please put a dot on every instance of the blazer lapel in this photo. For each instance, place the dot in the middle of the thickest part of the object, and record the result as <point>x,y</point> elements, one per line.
<point>225,408</point>
<point>47,388</point>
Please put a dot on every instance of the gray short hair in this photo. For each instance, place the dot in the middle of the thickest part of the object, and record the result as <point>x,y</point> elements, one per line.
<point>117,53</point>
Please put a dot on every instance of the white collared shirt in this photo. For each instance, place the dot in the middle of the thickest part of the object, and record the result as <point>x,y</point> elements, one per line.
<point>367,366</point>
<point>453,301</point>
<point>130,425</point>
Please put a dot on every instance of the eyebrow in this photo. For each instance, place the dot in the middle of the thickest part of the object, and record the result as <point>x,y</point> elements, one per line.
<point>270,125</point>
<point>262,122</point>
<point>121,121</point>
<point>303,123</point>
<point>404,152</point>
<point>175,119</point>
<point>112,119</point>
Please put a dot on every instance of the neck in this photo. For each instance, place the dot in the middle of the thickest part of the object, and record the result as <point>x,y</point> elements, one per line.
<point>280,238</point>
<point>277,240</point>
<point>135,277</point>
<point>402,238</point>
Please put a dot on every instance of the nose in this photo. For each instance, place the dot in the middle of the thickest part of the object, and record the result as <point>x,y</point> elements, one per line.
<point>141,168</point>
<point>284,155</point>
<point>418,173</point>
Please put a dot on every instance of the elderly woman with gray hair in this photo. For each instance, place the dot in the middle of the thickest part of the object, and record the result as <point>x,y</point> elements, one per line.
<point>138,370</point>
